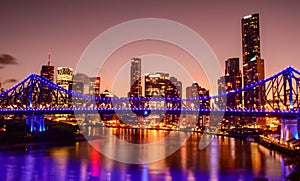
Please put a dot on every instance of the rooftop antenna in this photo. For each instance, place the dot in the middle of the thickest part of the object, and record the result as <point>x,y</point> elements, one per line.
<point>49,58</point>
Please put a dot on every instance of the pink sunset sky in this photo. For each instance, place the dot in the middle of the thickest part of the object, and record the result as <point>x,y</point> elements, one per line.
<point>30,29</point>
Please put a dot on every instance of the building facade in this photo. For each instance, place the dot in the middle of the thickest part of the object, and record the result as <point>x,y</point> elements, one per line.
<point>198,93</point>
<point>253,65</point>
<point>254,98</point>
<point>231,81</point>
<point>94,86</point>
<point>135,78</point>
<point>47,72</point>
<point>64,78</point>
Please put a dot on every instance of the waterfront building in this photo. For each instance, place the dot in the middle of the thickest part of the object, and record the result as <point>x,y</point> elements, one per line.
<point>177,87</point>
<point>253,65</point>
<point>195,91</point>
<point>155,84</point>
<point>160,85</point>
<point>250,37</point>
<point>254,98</point>
<point>64,78</point>
<point>47,72</point>
<point>231,81</point>
<point>78,86</point>
<point>135,78</point>
<point>94,86</point>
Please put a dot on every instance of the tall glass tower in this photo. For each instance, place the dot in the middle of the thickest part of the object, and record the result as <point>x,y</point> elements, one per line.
<point>250,37</point>
<point>135,78</point>
<point>47,72</point>
<point>253,65</point>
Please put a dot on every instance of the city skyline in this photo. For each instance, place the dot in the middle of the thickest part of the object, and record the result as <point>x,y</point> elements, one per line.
<point>149,90</point>
<point>47,30</point>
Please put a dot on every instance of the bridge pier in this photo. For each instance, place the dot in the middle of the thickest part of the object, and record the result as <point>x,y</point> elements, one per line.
<point>36,123</point>
<point>289,128</point>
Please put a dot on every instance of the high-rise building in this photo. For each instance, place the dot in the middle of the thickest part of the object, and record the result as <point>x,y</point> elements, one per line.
<point>232,66</point>
<point>47,72</point>
<point>78,86</point>
<point>253,65</point>
<point>231,81</point>
<point>250,37</point>
<point>177,86</point>
<point>160,85</point>
<point>197,93</point>
<point>64,78</point>
<point>135,78</point>
<point>94,87</point>
<point>254,98</point>
<point>155,84</point>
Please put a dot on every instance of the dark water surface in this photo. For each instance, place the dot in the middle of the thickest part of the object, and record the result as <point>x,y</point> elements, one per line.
<point>223,159</point>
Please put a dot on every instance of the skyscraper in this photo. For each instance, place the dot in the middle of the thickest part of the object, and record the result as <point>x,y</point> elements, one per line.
<point>135,78</point>
<point>78,86</point>
<point>197,92</point>
<point>231,81</point>
<point>48,73</point>
<point>178,86</point>
<point>253,65</point>
<point>156,84</point>
<point>254,72</point>
<point>94,87</point>
<point>48,70</point>
<point>64,78</point>
<point>250,37</point>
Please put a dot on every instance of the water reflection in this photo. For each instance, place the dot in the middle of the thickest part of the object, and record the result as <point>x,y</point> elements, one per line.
<point>223,159</point>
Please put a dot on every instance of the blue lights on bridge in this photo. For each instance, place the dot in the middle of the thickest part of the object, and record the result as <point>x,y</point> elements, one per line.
<point>91,106</point>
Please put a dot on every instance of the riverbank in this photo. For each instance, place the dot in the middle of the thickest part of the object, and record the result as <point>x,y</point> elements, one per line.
<point>274,144</point>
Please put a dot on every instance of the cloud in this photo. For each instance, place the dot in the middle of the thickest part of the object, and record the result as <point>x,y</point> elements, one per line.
<point>6,59</point>
<point>10,81</point>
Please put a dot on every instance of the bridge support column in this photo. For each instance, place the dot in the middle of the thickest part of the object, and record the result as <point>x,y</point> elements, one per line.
<point>29,121</point>
<point>36,123</point>
<point>289,128</point>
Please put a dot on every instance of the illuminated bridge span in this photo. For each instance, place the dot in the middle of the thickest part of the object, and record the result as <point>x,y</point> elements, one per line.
<point>40,96</point>
<point>36,96</point>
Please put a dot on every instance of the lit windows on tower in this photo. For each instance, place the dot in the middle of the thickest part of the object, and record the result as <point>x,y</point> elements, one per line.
<point>231,81</point>
<point>47,72</point>
<point>250,37</point>
<point>253,65</point>
<point>94,87</point>
<point>135,78</point>
<point>64,77</point>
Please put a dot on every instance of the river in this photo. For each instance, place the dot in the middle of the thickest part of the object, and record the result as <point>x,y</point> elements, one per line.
<point>223,159</point>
